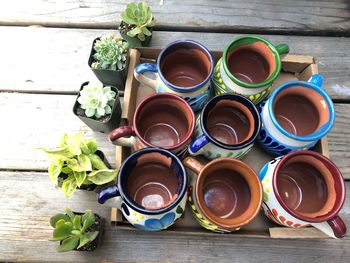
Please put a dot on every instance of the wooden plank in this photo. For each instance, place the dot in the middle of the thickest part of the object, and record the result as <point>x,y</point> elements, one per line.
<point>55,60</point>
<point>307,17</point>
<point>39,120</point>
<point>29,199</point>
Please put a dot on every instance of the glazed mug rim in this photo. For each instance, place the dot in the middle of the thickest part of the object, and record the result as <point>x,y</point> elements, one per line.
<point>267,81</point>
<point>251,107</point>
<point>314,136</point>
<point>187,89</point>
<point>164,95</point>
<point>131,203</point>
<point>338,178</point>
<point>235,162</point>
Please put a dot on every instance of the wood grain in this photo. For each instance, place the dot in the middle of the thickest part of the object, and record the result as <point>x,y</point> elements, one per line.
<point>51,60</point>
<point>302,16</point>
<point>29,199</point>
<point>39,120</point>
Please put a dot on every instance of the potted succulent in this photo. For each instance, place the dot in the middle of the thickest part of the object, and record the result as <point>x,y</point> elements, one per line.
<point>137,24</point>
<point>109,59</point>
<point>77,164</point>
<point>98,106</point>
<point>77,231</point>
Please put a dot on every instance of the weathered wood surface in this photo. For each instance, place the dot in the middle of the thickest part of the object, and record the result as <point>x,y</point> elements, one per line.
<point>55,60</point>
<point>305,17</point>
<point>28,199</point>
<point>31,121</point>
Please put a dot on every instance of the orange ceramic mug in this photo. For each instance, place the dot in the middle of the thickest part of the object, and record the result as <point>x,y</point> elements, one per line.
<point>225,194</point>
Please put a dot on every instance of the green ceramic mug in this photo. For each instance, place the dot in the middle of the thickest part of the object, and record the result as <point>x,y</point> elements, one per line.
<point>249,66</point>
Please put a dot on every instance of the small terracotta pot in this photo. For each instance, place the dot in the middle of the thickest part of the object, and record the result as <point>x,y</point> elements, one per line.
<point>225,194</point>
<point>304,188</point>
<point>162,120</point>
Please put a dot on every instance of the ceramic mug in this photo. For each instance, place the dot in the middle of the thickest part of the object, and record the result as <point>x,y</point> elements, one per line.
<point>296,116</point>
<point>249,66</point>
<point>227,127</point>
<point>224,195</point>
<point>162,120</point>
<point>304,188</point>
<point>151,189</point>
<point>184,68</point>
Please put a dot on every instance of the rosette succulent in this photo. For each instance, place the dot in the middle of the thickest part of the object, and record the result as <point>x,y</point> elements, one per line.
<point>74,231</point>
<point>96,100</point>
<point>111,53</point>
<point>139,16</point>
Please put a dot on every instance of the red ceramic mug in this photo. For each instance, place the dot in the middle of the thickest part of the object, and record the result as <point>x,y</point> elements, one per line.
<point>304,188</point>
<point>162,120</point>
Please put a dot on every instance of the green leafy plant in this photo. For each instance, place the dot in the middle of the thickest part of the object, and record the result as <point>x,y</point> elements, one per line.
<point>96,100</point>
<point>76,162</point>
<point>111,52</point>
<point>73,230</point>
<point>139,16</point>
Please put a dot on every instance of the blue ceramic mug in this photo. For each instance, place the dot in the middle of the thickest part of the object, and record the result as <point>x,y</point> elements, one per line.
<point>151,189</point>
<point>184,68</point>
<point>296,116</point>
<point>227,127</point>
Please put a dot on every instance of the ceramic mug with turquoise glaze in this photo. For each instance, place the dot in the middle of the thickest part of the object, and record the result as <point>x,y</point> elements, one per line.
<point>304,188</point>
<point>296,116</point>
<point>248,67</point>
<point>227,127</point>
<point>151,189</point>
<point>183,68</point>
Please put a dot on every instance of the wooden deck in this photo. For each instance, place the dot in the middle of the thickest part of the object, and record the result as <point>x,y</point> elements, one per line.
<point>44,49</point>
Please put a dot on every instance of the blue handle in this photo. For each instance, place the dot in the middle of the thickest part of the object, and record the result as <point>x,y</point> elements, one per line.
<point>316,79</point>
<point>199,143</point>
<point>107,193</point>
<point>141,68</point>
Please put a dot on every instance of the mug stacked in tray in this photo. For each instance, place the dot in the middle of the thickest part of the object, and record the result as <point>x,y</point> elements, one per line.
<point>219,112</point>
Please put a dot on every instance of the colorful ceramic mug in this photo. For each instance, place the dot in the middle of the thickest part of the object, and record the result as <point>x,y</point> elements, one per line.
<point>304,188</point>
<point>184,68</point>
<point>296,116</point>
<point>227,127</point>
<point>249,66</point>
<point>224,195</point>
<point>162,120</point>
<point>151,189</point>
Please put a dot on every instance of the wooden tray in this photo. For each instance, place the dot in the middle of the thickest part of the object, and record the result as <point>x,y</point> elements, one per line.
<point>293,67</point>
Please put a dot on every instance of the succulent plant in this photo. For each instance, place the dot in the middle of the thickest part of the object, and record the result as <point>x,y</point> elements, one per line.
<point>139,16</point>
<point>96,100</point>
<point>111,53</point>
<point>76,159</point>
<point>73,230</point>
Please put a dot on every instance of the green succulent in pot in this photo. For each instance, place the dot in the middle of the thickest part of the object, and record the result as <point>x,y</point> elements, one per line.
<point>76,231</point>
<point>137,24</point>
<point>76,163</point>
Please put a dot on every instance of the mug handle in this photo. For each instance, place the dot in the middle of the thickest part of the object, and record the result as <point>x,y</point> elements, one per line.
<point>117,136</point>
<point>110,195</point>
<point>316,79</point>
<point>282,49</point>
<point>197,146</point>
<point>146,67</point>
<point>194,166</point>
<point>334,227</point>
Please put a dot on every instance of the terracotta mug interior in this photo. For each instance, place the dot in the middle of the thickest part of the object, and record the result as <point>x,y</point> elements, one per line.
<point>164,120</point>
<point>308,186</point>
<point>230,122</point>
<point>300,110</point>
<point>153,182</point>
<point>251,63</point>
<point>185,64</point>
<point>228,192</point>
